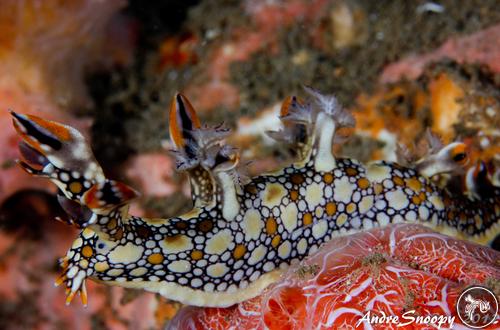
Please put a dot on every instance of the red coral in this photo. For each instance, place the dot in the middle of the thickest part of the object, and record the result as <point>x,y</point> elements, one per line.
<point>392,270</point>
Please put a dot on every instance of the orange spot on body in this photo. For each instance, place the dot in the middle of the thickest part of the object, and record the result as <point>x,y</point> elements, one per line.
<point>87,251</point>
<point>478,221</point>
<point>351,207</point>
<point>414,184</point>
<point>351,171</point>
<point>307,219</point>
<point>143,232</point>
<point>181,225</point>
<point>251,188</point>
<point>75,187</point>
<point>205,225</point>
<point>276,241</point>
<point>111,224</point>
<point>155,258</point>
<point>239,251</point>
<point>331,208</point>
<point>273,192</point>
<point>119,234</point>
<point>294,195</point>
<point>398,181</point>
<point>271,226</point>
<point>173,239</point>
<point>328,178</point>
<point>196,254</point>
<point>363,183</point>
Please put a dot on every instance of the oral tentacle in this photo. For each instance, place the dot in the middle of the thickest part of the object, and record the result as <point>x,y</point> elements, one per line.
<point>78,265</point>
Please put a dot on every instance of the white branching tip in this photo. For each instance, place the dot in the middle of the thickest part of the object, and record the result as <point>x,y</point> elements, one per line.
<point>331,106</point>
<point>328,103</point>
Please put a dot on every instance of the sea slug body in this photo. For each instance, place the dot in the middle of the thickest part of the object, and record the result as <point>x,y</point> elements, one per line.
<point>242,233</point>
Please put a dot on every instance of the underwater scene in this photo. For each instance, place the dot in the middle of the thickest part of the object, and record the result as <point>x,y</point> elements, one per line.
<point>254,164</point>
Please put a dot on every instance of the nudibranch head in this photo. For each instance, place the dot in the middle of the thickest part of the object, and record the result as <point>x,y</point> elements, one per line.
<point>88,256</point>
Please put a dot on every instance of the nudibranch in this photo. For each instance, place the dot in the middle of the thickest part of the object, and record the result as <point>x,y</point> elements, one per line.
<point>242,233</point>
